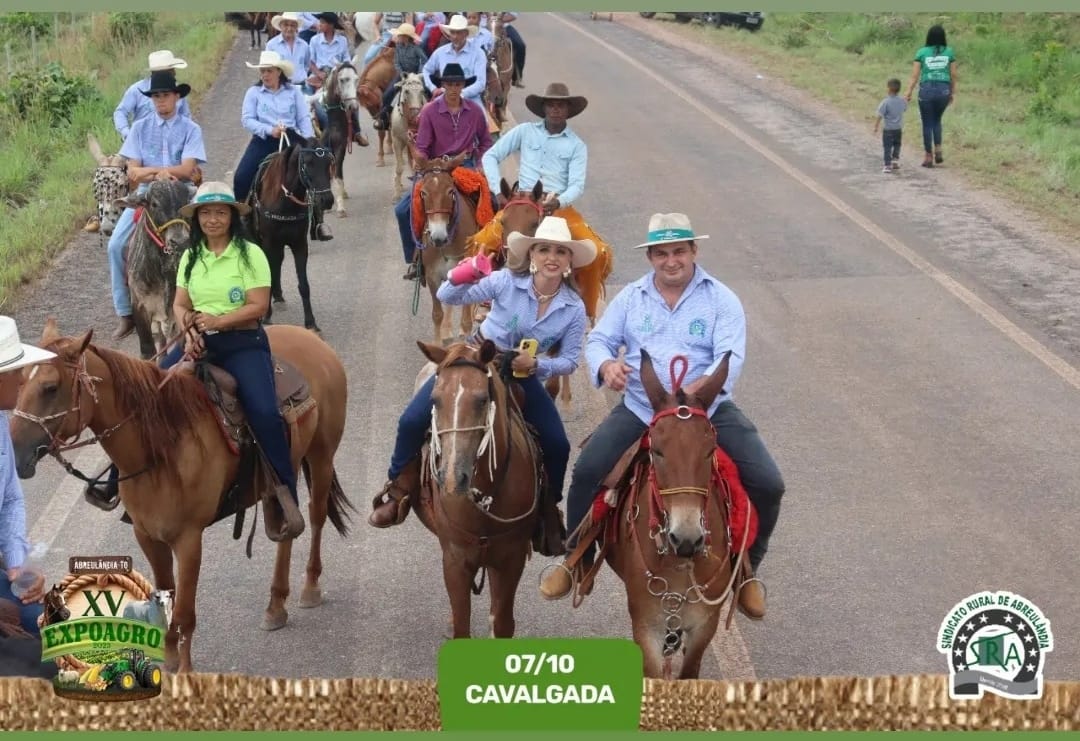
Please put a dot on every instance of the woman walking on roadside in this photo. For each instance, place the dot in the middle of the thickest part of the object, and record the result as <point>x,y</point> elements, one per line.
<point>934,70</point>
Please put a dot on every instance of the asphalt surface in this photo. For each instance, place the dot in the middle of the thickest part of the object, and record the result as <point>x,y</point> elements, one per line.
<point>910,365</point>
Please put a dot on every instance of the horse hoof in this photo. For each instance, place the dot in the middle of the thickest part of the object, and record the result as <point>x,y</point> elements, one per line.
<point>310,597</point>
<point>275,622</point>
<point>341,214</point>
<point>279,299</point>
<point>380,163</point>
<point>313,327</point>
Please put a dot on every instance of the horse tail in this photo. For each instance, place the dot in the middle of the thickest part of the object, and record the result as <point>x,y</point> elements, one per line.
<point>337,504</point>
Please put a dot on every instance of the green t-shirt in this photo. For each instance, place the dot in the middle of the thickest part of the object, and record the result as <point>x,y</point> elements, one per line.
<point>934,64</point>
<point>219,285</point>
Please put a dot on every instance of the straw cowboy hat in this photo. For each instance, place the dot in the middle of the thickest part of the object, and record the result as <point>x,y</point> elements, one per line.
<point>458,23</point>
<point>214,191</point>
<point>406,29</point>
<point>553,230</point>
<point>666,228</point>
<point>164,81</point>
<point>14,353</point>
<point>162,60</point>
<point>556,91</point>
<point>452,72</point>
<point>273,59</point>
<point>287,16</point>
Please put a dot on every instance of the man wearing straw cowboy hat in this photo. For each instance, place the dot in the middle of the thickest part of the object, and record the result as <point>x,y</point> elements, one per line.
<point>675,309</point>
<point>15,356</point>
<point>289,46</point>
<point>553,154</point>
<point>165,146</point>
<point>458,51</point>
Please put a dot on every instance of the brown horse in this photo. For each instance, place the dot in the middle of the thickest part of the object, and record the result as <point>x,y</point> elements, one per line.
<point>260,24</point>
<point>450,222</point>
<point>502,63</point>
<point>374,81</point>
<point>481,480</point>
<point>672,548</point>
<point>175,465</point>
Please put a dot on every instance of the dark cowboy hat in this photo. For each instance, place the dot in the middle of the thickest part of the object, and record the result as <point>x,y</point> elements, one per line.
<point>164,81</point>
<point>332,18</point>
<point>452,72</point>
<point>556,91</point>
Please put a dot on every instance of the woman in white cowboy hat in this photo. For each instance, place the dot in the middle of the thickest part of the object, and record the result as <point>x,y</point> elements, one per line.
<point>534,298</point>
<point>409,58</point>
<point>289,46</point>
<point>15,356</point>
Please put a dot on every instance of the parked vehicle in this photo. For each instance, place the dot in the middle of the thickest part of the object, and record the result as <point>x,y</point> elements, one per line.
<point>750,21</point>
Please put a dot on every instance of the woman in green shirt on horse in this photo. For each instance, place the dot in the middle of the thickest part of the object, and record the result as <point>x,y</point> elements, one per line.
<point>934,70</point>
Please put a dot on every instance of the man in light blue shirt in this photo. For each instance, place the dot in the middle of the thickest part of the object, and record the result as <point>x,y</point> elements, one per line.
<point>162,146</point>
<point>483,38</point>
<point>676,309</point>
<point>290,47</point>
<point>135,105</point>
<point>459,51</point>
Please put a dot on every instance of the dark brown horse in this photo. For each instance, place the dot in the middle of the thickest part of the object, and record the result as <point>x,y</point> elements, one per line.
<point>260,25</point>
<point>290,187</point>
<point>481,474</point>
<point>175,463</point>
<point>672,548</point>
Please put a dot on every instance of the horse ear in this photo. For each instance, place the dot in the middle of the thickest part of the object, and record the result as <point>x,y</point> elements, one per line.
<point>131,200</point>
<point>658,397</point>
<point>85,341</point>
<point>538,191</point>
<point>504,188</point>
<point>708,391</point>
<point>487,352</point>
<point>51,333</point>
<point>435,353</point>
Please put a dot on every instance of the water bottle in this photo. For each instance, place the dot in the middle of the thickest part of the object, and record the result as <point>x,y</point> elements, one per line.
<point>31,570</point>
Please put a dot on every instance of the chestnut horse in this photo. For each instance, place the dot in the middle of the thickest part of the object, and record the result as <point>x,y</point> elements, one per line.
<point>481,481</point>
<point>502,63</point>
<point>374,80</point>
<point>450,222</point>
<point>673,545</point>
<point>175,464</point>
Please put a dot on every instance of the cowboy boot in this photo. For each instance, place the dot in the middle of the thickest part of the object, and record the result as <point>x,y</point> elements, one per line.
<point>360,139</point>
<point>751,595</point>
<point>391,505</point>
<point>557,582</point>
<point>550,535</point>
<point>281,516</point>
<point>124,328</point>
<point>104,495</point>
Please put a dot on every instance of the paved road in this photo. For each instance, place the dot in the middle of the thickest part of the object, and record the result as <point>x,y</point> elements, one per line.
<point>921,405</point>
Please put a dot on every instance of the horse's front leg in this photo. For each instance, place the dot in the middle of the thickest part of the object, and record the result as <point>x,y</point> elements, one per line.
<point>188,552</point>
<point>504,584</point>
<point>436,309</point>
<point>696,640</point>
<point>276,615</point>
<point>458,575</point>
<point>160,557</point>
<point>380,161</point>
<point>300,260</point>
<point>399,168</point>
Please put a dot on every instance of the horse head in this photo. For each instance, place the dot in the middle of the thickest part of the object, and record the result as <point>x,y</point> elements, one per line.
<point>342,87</point>
<point>55,606</point>
<point>110,183</point>
<point>412,97</point>
<point>304,169</point>
<point>682,446</point>
<point>523,211</point>
<point>463,413</point>
<point>56,400</point>
<point>439,195</point>
<point>161,202</point>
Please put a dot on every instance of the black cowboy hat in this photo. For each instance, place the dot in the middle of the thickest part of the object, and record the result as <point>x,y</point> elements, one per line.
<point>332,18</point>
<point>556,91</point>
<point>164,81</point>
<point>452,72</point>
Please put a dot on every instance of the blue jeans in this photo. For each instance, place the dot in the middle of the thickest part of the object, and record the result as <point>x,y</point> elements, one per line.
<point>257,150</point>
<point>539,411</point>
<point>376,47</point>
<point>890,144</point>
<point>519,51</point>
<point>933,100</point>
<point>245,354</point>
<point>403,214</point>
<point>125,227</point>
<point>28,614</point>
<point>735,434</point>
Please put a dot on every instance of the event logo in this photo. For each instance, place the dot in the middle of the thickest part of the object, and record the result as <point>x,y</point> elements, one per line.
<point>105,625</point>
<point>997,641</point>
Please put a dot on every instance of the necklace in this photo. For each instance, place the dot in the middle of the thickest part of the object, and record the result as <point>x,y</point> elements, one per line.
<point>455,118</point>
<point>545,297</point>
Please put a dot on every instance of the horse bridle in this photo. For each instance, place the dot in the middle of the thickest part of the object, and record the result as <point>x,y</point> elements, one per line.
<point>155,232</point>
<point>454,209</point>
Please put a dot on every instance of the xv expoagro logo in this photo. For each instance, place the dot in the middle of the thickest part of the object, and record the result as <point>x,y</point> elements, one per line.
<point>996,640</point>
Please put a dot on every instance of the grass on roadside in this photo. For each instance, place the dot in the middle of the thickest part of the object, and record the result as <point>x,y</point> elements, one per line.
<point>45,184</point>
<point>1014,127</point>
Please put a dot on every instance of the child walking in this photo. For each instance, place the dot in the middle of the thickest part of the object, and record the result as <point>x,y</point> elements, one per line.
<point>891,110</point>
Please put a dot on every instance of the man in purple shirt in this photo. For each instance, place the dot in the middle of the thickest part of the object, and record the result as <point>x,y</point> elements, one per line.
<point>448,126</point>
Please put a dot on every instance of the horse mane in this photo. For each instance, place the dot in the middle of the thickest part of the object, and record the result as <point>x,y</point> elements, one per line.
<point>386,54</point>
<point>456,352</point>
<point>162,414</point>
<point>273,175</point>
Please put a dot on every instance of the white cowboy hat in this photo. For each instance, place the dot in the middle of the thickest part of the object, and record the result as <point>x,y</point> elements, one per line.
<point>214,191</point>
<point>273,59</point>
<point>13,353</point>
<point>665,228</point>
<point>162,60</point>
<point>553,230</point>
<point>286,16</point>
<point>406,29</point>
<point>458,23</point>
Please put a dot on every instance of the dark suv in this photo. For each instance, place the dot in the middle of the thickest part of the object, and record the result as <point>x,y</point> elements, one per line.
<point>747,20</point>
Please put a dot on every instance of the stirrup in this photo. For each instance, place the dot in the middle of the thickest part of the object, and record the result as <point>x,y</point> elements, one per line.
<point>543,573</point>
<point>95,495</point>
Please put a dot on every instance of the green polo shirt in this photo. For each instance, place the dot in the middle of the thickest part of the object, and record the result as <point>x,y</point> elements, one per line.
<point>219,284</point>
<point>934,63</point>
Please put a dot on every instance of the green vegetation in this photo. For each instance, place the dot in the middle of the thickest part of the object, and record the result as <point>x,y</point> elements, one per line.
<point>1014,126</point>
<point>47,109</point>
